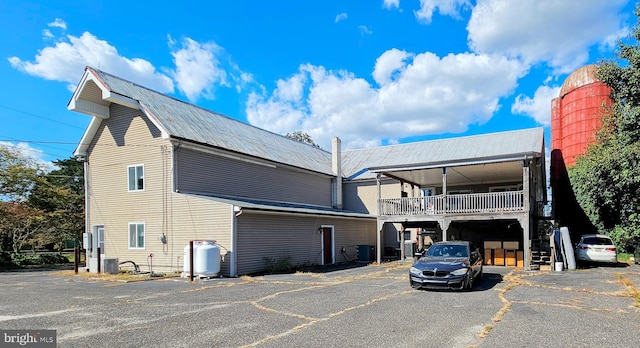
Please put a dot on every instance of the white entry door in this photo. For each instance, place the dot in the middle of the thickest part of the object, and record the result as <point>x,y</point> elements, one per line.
<point>98,233</point>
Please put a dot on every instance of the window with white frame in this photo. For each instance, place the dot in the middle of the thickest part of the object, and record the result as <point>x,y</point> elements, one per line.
<point>136,235</point>
<point>136,177</point>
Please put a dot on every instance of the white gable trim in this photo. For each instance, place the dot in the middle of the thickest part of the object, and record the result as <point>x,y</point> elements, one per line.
<point>87,137</point>
<point>99,111</point>
<point>92,107</point>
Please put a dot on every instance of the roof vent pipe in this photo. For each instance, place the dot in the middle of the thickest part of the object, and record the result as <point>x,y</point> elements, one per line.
<point>336,166</point>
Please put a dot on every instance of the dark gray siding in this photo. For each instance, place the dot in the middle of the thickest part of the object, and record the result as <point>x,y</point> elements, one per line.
<point>207,173</point>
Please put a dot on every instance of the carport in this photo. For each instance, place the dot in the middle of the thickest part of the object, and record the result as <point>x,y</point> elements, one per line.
<point>502,190</point>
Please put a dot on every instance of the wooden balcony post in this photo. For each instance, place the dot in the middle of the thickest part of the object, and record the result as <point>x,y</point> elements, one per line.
<point>379,193</point>
<point>444,181</point>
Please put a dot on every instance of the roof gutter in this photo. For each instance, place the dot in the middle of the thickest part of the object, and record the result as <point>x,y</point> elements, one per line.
<point>434,165</point>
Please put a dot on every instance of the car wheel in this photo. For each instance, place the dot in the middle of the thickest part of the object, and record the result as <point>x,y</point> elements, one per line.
<point>414,284</point>
<point>469,283</point>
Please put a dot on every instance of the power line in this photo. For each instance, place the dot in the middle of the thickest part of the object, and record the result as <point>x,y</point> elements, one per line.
<point>46,153</point>
<point>39,141</point>
<point>41,117</point>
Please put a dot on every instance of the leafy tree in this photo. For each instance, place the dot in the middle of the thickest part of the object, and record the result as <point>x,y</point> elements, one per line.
<point>37,206</point>
<point>60,195</point>
<point>19,222</point>
<point>302,137</point>
<point>18,173</point>
<point>606,178</point>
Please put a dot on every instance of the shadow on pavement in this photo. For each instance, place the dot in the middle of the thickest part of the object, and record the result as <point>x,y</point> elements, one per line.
<point>337,267</point>
<point>489,281</point>
<point>589,265</point>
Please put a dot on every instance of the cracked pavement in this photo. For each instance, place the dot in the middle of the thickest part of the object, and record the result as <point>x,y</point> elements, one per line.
<point>371,305</point>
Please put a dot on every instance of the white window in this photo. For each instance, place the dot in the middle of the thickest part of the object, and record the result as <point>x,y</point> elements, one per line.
<point>136,177</point>
<point>136,235</point>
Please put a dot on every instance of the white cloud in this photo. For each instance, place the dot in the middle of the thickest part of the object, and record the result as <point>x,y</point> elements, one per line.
<point>388,64</point>
<point>30,153</point>
<point>444,7</point>
<point>611,41</point>
<point>340,17</point>
<point>538,107</point>
<point>197,69</point>
<point>46,34</point>
<point>389,4</point>
<point>365,30</point>
<point>58,23</point>
<point>556,32</point>
<point>417,94</point>
<point>66,60</point>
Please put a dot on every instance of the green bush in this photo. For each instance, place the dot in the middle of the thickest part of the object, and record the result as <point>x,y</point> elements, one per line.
<point>30,259</point>
<point>280,265</point>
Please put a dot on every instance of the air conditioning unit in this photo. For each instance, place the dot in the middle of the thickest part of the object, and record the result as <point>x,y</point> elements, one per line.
<point>110,265</point>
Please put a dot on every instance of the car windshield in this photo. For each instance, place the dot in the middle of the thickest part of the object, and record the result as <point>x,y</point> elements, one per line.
<point>597,241</point>
<point>447,251</point>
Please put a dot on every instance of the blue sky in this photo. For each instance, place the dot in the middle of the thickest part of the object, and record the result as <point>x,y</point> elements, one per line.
<point>371,72</point>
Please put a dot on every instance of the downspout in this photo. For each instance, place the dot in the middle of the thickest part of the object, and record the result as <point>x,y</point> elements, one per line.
<point>336,166</point>
<point>87,226</point>
<point>379,224</point>
<point>236,211</point>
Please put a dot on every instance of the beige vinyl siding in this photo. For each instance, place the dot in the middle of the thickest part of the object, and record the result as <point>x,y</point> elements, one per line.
<point>295,238</point>
<point>195,218</point>
<point>128,138</point>
<point>122,140</point>
<point>362,196</point>
<point>207,173</point>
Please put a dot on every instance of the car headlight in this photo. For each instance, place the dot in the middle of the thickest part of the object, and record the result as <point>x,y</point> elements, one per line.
<point>460,271</point>
<point>414,270</point>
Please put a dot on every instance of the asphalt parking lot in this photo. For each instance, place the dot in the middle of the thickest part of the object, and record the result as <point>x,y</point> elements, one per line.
<point>356,307</point>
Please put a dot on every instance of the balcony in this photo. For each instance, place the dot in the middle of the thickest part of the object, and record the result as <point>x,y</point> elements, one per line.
<point>473,203</point>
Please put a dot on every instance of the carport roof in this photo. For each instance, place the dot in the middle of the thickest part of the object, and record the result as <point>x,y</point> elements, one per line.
<point>288,207</point>
<point>420,157</point>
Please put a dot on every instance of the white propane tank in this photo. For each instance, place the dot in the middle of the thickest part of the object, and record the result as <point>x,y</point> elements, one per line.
<point>207,262</point>
<point>185,262</point>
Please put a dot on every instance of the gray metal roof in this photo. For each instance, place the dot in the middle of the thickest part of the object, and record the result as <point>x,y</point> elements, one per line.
<point>493,147</point>
<point>263,205</point>
<point>182,120</point>
<point>187,121</point>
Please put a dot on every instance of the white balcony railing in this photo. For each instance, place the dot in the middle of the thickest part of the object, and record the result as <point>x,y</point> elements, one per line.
<point>473,203</point>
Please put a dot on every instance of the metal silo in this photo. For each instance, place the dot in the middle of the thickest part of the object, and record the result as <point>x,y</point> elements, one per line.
<point>576,113</point>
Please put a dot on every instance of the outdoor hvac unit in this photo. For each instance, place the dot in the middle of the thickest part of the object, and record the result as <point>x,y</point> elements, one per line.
<point>110,265</point>
<point>366,252</point>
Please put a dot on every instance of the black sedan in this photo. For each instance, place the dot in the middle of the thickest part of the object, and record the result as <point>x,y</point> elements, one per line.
<point>447,265</point>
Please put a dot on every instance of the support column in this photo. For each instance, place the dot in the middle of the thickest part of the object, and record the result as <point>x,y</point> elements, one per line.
<point>379,193</point>
<point>444,225</point>
<point>525,220</point>
<point>444,181</point>
<point>379,241</point>
<point>526,240</point>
